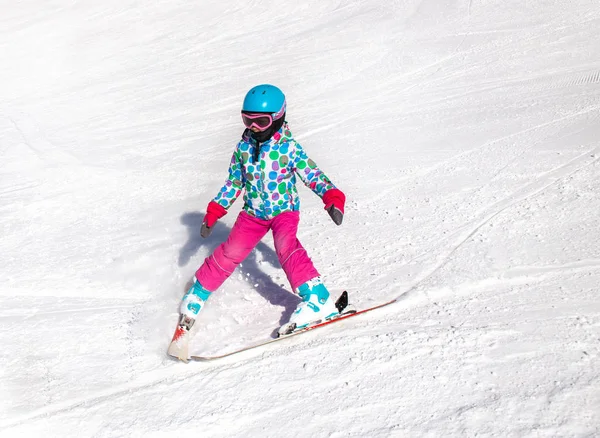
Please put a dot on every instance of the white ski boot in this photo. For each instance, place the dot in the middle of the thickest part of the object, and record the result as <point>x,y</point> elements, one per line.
<point>317,305</point>
<point>192,303</point>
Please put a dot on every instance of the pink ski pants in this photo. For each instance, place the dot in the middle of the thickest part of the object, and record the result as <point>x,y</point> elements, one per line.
<point>245,235</point>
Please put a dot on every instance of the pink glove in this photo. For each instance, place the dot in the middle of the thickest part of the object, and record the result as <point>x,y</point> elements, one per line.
<point>334,200</point>
<point>214,212</point>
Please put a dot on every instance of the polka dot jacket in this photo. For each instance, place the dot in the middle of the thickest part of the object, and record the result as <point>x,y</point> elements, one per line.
<point>270,182</point>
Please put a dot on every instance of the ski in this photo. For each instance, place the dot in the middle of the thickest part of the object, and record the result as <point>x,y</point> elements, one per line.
<point>341,317</point>
<point>181,339</point>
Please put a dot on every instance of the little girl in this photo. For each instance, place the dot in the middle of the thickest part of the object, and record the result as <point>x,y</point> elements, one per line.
<point>264,164</point>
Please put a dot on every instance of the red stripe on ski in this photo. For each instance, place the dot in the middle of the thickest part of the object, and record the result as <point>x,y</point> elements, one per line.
<point>291,335</point>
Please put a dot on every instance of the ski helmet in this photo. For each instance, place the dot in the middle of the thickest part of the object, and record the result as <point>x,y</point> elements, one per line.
<point>265,99</point>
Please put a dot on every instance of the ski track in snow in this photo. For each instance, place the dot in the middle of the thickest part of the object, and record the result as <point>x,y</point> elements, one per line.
<point>465,136</point>
<point>498,208</point>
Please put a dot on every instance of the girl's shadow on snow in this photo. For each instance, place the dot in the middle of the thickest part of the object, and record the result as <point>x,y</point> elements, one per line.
<point>266,287</point>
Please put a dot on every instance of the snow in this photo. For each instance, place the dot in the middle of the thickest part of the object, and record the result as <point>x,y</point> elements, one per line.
<point>465,136</point>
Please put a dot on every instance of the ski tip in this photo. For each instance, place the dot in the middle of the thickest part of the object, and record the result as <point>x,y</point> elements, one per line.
<point>179,359</point>
<point>175,353</point>
<point>179,345</point>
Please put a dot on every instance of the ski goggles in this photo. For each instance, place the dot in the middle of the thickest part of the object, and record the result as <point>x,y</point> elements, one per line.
<point>261,121</point>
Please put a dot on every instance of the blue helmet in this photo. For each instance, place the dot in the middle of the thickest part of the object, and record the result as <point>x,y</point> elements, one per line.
<point>265,99</point>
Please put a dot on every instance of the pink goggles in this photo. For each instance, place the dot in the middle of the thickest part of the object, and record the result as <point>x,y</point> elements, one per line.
<point>260,121</point>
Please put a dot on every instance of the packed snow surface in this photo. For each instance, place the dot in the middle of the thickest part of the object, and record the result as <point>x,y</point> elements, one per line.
<point>466,136</point>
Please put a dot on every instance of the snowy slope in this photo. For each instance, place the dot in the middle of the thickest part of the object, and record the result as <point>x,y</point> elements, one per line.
<point>465,135</point>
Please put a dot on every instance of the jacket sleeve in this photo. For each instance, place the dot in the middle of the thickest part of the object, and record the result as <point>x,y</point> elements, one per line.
<point>313,177</point>
<point>234,183</point>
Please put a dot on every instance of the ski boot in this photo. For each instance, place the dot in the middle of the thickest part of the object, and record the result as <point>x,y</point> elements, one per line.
<point>316,306</point>
<point>193,301</point>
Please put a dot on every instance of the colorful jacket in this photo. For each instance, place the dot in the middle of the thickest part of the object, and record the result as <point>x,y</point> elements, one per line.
<point>270,183</point>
